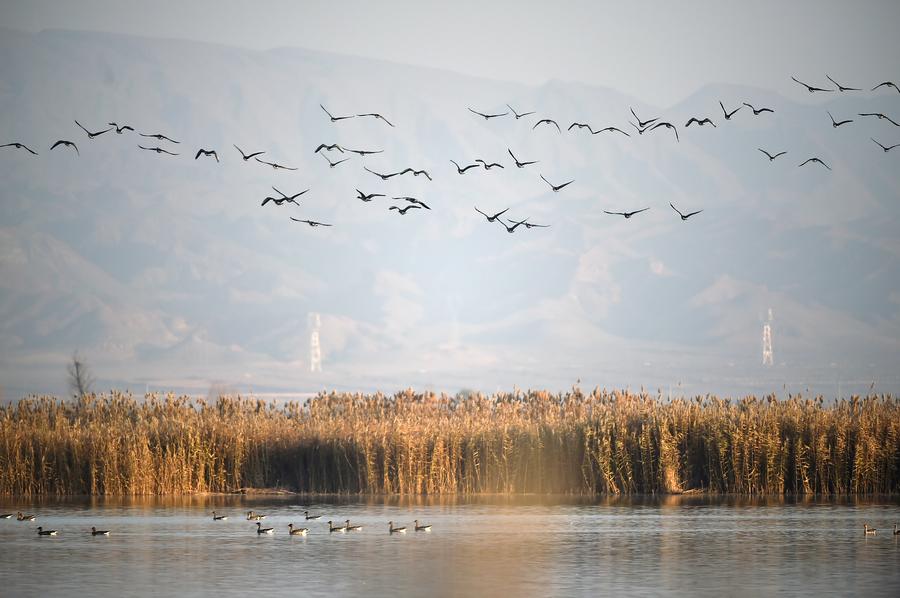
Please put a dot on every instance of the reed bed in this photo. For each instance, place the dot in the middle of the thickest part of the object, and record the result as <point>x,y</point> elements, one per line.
<point>409,444</point>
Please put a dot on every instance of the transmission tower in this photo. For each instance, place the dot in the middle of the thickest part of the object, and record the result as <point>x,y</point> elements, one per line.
<point>315,351</point>
<point>768,358</point>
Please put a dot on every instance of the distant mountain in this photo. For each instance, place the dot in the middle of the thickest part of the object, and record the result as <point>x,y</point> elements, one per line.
<point>165,271</point>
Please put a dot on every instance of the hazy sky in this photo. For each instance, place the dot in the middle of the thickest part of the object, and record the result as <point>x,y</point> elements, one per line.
<point>658,51</point>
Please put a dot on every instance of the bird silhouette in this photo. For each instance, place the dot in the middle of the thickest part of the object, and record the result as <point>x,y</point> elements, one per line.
<point>810,160</point>
<point>160,137</point>
<point>335,118</point>
<point>684,216</point>
<point>158,150</point>
<point>642,124</point>
<point>65,143</point>
<point>516,114</point>
<point>333,164</point>
<point>886,148</point>
<point>547,121</point>
<point>840,87</point>
<point>611,129</point>
<point>415,172</point>
<point>205,152</point>
<point>640,130</point>
<point>413,200</point>
<point>810,88</point>
<point>694,119</point>
<point>835,124</point>
<point>510,229</point>
<point>312,223</point>
<point>384,177</point>
<point>274,165</point>
<point>520,164</point>
<point>556,188</point>
<point>462,170</point>
<point>364,152</point>
<point>403,211</point>
<point>322,146</point>
<point>880,116</point>
<point>120,129</point>
<point>248,156</point>
<point>370,196</point>
<point>488,116</point>
<point>494,217</point>
<point>90,134</point>
<point>757,112</point>
<point>18,145</point>
<point>290,198</point>
<point>770,156</point>
<point>728,114</point>
<point>580,126</point>
<point>668,126</point>
<point>626,214</point>
<point>377,116</point>
<point>530,225</point>
<point>887,84</point>
<point>488,166</point>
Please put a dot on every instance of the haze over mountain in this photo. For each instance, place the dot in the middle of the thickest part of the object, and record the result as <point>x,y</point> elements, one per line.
<point>165,272</point>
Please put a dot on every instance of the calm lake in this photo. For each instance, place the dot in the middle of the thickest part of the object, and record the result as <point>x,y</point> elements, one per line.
<point>530,546</point>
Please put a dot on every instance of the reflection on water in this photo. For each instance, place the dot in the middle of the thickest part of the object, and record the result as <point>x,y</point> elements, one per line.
<point>532,545</point>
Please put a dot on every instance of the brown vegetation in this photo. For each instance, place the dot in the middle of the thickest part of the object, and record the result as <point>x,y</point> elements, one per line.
<point>574,443</point>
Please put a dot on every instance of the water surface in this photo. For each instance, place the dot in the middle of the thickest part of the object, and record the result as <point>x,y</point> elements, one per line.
<point>531,546</point>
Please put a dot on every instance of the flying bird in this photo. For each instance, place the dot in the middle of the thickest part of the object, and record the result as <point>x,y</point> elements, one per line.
<point>322,146</point>
<point>510,229</point>
<point>290,198</point>
<point>684,216</point>
<point>548,121</point>
<point>668,126</point>
<point>312,223</point>
<point>335,118</point>
<point>384,177</point>
<point>416,172</point>
<point>95,134</point>
<point>530,225</point>
<point>205,152</point>
<point>278,201</point>
<point>840,87</point>
<point>810,88</point>
<point>333,164</point>
<point>520,164</point>
<point>248,156</point>
<point>705,121</point>
<point>18,145</point>
<point>364,152</point>
<point>611,129</point>
<point>556,188</point>
<point>517,115</point>
<point>835,123</point>
<point>580,126</point>
<point>491,218</point>
<point>887,84</point>
<point>274,165</point>
<point>814,160</point>
<point>759,111</point>
<point>462,170</point>
<point>370,196</point>
<point>158,150</point>
<point>640,130</point>
<point>65,143</point>
<point>879,115</point>
<point>626,214</point>
<point>488,166</point>
<point>377,116</point>
<point>642,124</point>
<point>414,201</point>
<point>160,137</point>
<point>488,116</point>
<point>728,114</point>
<point>120,129</point>
<point>886,148</point>
<point>403,211</point>
<point>770,156</point>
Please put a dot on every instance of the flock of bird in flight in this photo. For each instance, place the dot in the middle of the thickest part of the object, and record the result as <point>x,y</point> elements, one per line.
<point>408,203</point>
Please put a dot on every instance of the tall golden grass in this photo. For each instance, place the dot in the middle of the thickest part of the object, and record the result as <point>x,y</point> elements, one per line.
<point>573,443</point>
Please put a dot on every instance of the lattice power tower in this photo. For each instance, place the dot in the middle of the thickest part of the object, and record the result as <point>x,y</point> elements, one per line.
<point>768,357</point>
<point>315,351</point>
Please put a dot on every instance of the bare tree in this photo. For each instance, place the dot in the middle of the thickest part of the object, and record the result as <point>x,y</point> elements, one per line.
<point>80,378</point>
